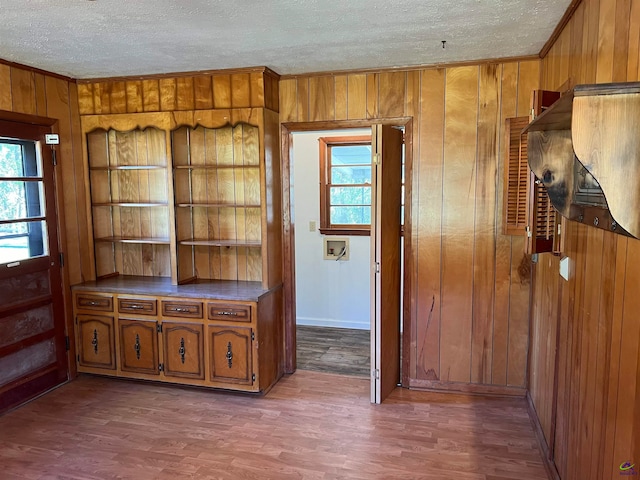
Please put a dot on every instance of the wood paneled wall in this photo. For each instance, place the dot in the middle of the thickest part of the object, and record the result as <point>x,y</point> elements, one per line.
<point>242,88</point>
<point>592,425</point>
<point>470,285</point>
<point>35,93</point>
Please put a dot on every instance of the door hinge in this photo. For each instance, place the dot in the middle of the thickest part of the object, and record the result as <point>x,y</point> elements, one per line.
<point>61,259</point>
<point>161,367</point>
<point>67,343</point>
<point>376,267</point>
<point>159,328</point>
<point>253,336</point>
<point>528,230</point>
<point>559,229</point>
<point>78,357</point>
<point>253,377</point>
<point>375,373</point>
<point>377,159</point>
<point>54,158</point>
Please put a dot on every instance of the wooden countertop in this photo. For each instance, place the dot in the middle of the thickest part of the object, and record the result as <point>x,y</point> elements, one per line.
<point>162,287</point>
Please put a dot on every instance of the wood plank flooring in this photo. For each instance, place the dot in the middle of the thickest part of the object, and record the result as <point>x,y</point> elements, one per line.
<point>344,351</point>
<point>311,425</point>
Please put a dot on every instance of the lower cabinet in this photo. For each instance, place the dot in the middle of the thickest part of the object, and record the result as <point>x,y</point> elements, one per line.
<point>197,341</point>
<point>230,349</point>
<point>183,350</point>
<point>139,346</point>
<point>96,341</point>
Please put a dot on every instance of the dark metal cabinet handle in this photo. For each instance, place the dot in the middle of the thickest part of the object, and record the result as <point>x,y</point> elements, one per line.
<point>136,346</point>
<point>229,355</point>
<point>180,310</point>
<point>135,306</point>
<point>94,341</point>
<point>224,312</point>
<point>182,351</point>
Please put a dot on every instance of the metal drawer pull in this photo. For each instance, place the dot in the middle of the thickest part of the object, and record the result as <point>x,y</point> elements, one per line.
<point>181,350</point>
<point>136,346</point>
<point>181,309</point>
<point>94,341</point>
<point>229,355</point>
<point>135,306</point>
<point>93,304</point>
<point>229,314</point>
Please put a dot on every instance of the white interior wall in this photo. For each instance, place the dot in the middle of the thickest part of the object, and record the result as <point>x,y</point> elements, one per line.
<point>328,293</point>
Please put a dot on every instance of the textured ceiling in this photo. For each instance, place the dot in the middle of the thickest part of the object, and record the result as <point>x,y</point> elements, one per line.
<point>107,38</point>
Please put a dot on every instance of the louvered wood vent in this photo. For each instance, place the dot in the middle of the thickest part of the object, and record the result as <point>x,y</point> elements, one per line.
<point>527,208</point>
<point>516,178</point>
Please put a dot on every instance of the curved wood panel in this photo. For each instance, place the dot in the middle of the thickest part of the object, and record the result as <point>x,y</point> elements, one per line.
<point>606,141</point>
<point>551,158</point>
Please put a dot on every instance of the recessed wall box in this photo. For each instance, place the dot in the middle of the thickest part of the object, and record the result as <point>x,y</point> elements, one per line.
<point>336,248</point>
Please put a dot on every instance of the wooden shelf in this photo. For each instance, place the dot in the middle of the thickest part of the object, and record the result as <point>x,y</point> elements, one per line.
<point>212,167</point>
<point>148,240</point>
<point>216,205</point>
<point>221,243</point>
<point>129,167</point>
<point>556,117</point>
<point>131,204</point>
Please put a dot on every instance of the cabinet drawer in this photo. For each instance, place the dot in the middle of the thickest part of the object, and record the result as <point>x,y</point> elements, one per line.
<point>182,309</point>
<point>137,306</point>
<point>229,313</point>
<point>94,302</point>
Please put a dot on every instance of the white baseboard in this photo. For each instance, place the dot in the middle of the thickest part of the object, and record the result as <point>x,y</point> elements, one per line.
<point>332,322</point>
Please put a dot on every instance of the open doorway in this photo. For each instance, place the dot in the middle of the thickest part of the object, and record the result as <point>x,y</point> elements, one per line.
<point>331,194</point>
<point>384,370</point>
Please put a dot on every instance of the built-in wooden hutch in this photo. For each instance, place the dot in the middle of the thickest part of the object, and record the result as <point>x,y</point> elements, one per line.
<point>186,236</point>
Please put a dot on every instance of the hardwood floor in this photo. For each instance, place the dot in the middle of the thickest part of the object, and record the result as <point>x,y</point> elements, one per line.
<point>345,351</point>
<point>311,425</point>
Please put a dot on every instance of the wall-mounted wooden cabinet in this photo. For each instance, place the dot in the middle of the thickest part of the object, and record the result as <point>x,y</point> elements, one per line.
<point>586,150</point>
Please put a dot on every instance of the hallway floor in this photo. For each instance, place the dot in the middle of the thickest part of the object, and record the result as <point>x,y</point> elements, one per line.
<point>343,351</point>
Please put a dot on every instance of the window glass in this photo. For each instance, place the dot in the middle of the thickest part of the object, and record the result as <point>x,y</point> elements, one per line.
<point>345,178</point>
<point>22,226</point>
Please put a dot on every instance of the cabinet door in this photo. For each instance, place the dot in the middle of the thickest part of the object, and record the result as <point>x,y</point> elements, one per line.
<point>183,350</point>
<point>96,342</point>
<point>231,354</point>
<point>139,346</point>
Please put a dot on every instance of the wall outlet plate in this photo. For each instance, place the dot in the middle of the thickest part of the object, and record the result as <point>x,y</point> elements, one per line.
<point>565,268</point>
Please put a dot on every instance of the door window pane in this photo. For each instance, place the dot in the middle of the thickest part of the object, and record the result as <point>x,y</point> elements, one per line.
<point>22,226</point>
